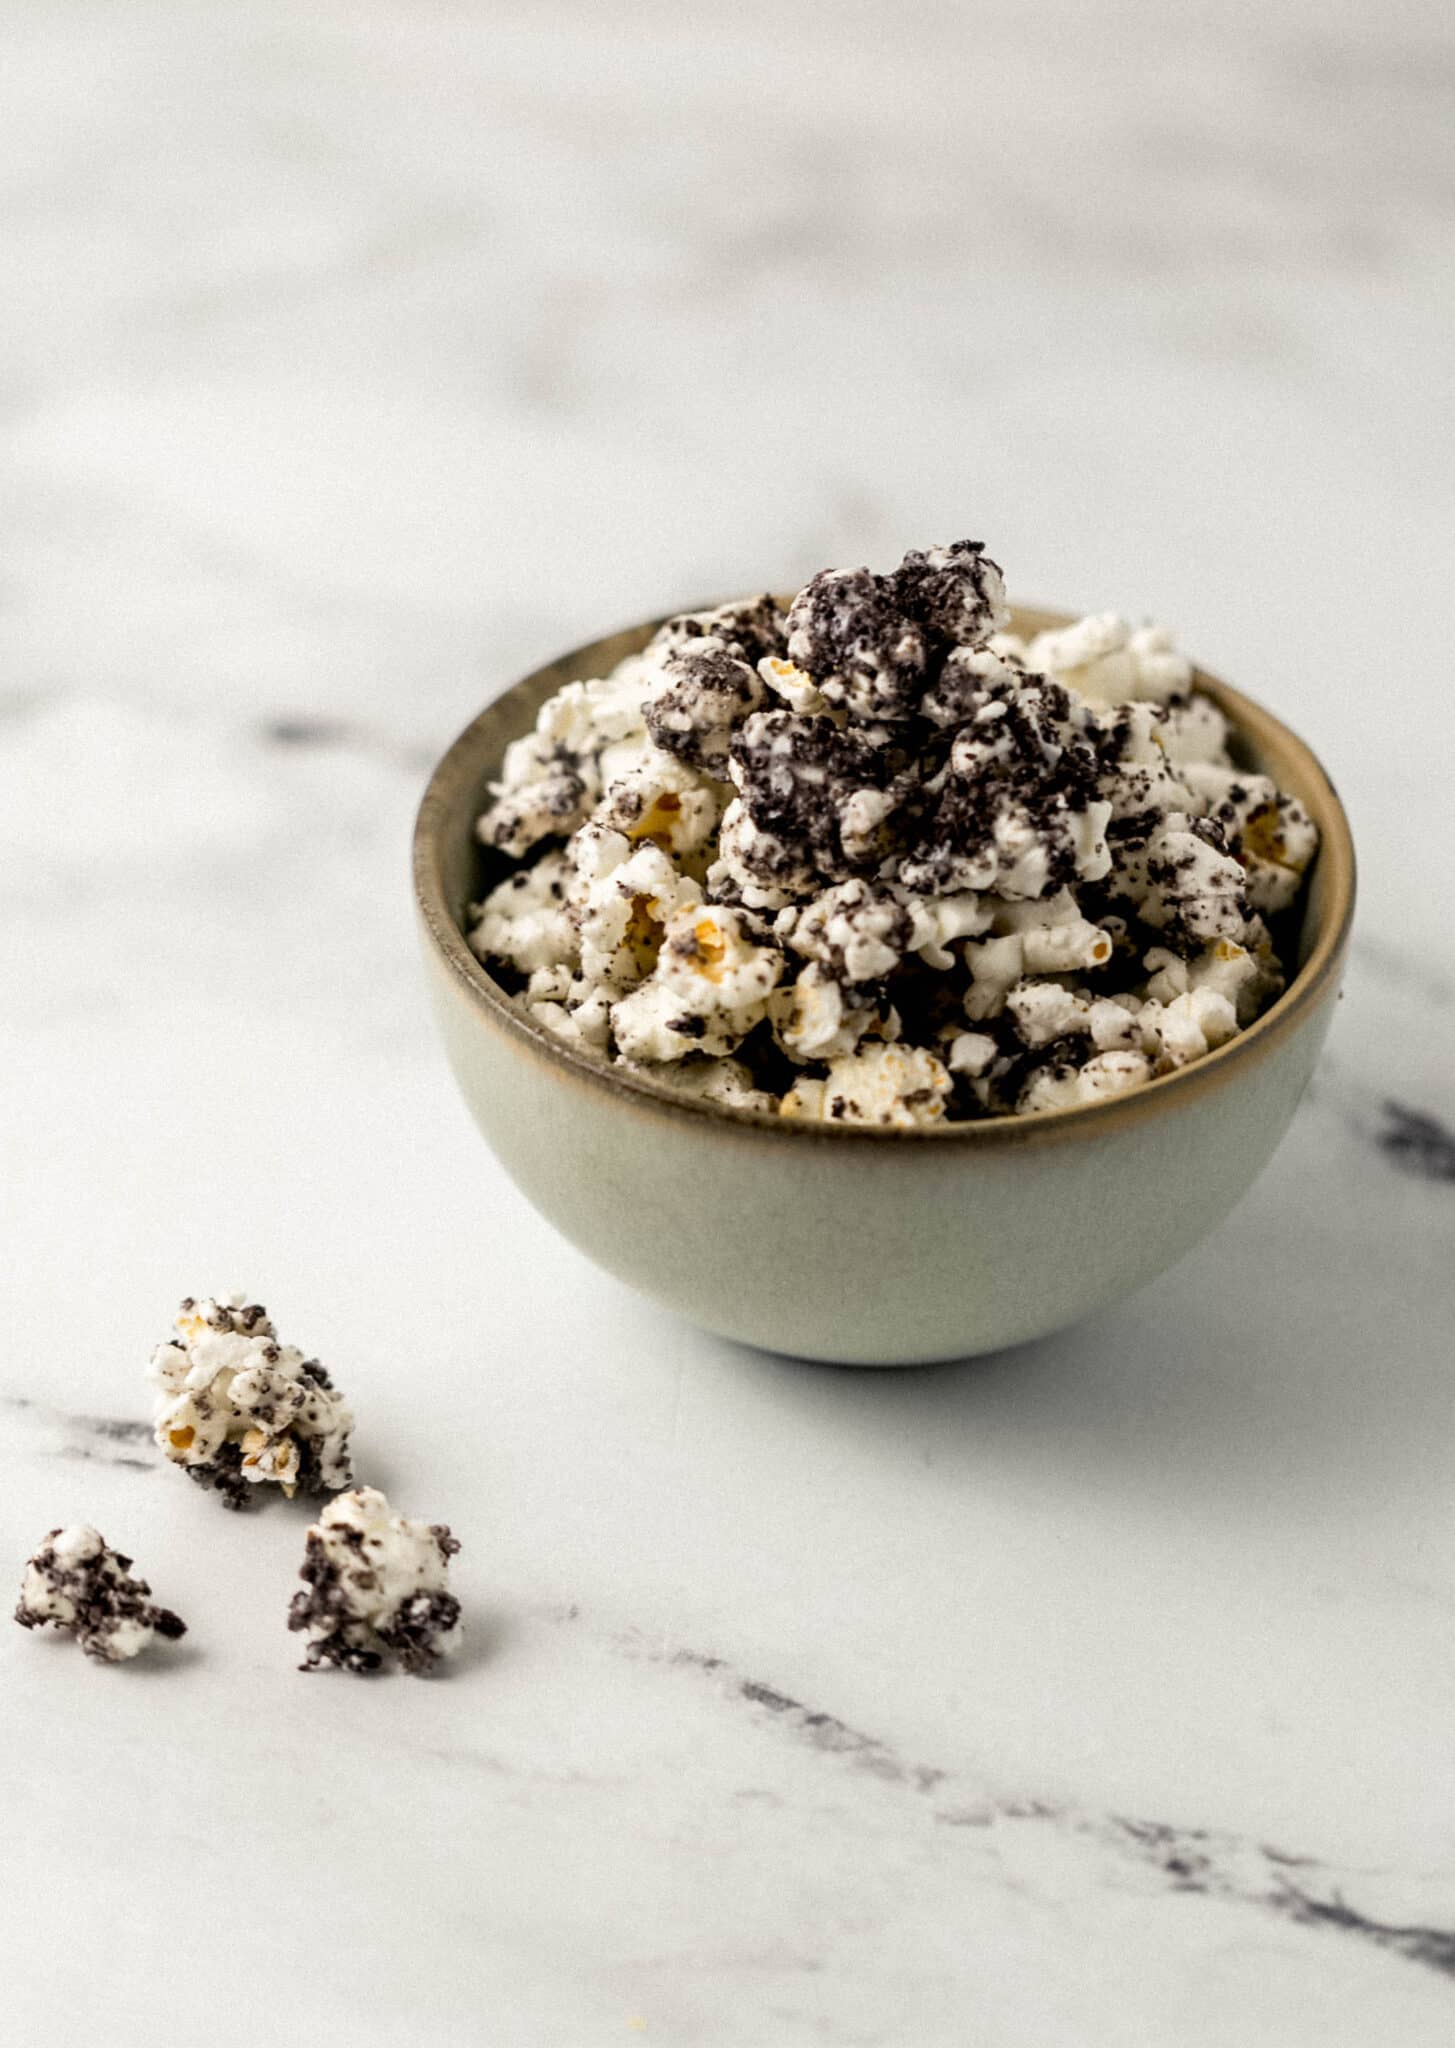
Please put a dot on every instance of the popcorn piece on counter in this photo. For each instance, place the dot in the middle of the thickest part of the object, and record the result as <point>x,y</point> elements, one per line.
<point>76,1582</point>
<point>903,1085</point>
<point>238,1409</point>
<point>1108,661</point>
<point>711,985</point>
<point>376,1588</point>
<point>707,692</point>
<point>848,630</point>
<point>526,920</point>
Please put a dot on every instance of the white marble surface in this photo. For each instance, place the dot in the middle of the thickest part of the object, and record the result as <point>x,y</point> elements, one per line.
<point>356,357</point>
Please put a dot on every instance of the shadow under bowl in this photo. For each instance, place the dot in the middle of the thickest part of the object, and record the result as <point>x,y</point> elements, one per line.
<point>848,1242</point>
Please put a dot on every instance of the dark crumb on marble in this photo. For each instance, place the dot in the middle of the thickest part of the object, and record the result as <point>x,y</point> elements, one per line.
<point>1417,1143</point>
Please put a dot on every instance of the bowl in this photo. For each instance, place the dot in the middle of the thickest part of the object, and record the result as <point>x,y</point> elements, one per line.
<point>853,1243</point>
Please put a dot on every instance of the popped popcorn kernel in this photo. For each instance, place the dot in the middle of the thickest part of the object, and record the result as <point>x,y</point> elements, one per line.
<point>376,1588</point>
<point>77,1583</point>
<point>238,1409</point>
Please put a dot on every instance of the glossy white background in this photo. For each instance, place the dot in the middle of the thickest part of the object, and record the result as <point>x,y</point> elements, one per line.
<point>356,358</point>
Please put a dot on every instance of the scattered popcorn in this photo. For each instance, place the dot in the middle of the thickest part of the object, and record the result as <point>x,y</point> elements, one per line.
<point>882,860</point>
<point>76,1582</point>
<point>376,1588</point>
<point>238,1409</point>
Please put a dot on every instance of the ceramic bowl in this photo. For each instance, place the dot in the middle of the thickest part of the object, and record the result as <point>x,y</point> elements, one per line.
<point>857,1244</point>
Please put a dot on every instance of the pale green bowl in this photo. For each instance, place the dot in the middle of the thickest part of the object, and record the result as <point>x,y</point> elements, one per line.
<point>862,1245</point>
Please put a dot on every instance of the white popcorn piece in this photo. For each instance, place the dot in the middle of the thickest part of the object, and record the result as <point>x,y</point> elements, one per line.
<point>1187,1028</point>
<point>77,1583</point>
<point>1179,881</point>
<point>1045,1011</point>
<point>819,1017</point>
<point>1106,1074</point>
<point>969,1052</point>
<point>1195,731</point>
<point>710,987</point>
<point>624,901</point>
<point>793,685</point>
<point>1270,833</point>
<point>237,1409</point>
<point>1049,936</point>
<point>663,801</point>
<point>376,1588</point>
<point>1108,661</point>
<point>526,920</point>
<point>724,1081</point>
<point>901,1085</point>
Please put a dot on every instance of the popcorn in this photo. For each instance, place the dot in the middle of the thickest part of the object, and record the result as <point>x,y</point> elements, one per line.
<point>1271,834</point>
<point>1187,1027</point>
<point>849,629</point>
<point>955,594</point>
<point>710,987</point>
<point>375,1588</point>
<point>725,1081</point>
<point>753,631</point>
<point>884,860</point>
<point>1068,1087</point>
<point>903,1085</point>
<point>525,919</point>
<point>663,801</point>
<point>1015,808</point>
<point>1107,661</point>
<point>1185,882</point>
<point>819,1017</point>
<point>706,692</point>
<point>238,1409</point>
<point>77,1583</point>
<point>551,778</point>
<point>813,801</point>
<point>624,900</point>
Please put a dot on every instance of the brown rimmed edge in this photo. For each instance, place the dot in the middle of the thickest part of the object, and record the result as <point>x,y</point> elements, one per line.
<point>456,786</point>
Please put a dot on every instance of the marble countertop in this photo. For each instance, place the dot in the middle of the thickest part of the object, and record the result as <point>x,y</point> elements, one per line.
<point>358,357</point>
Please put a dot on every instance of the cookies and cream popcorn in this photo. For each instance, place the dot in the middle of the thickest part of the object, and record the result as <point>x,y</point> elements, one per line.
<point>237,1409</point>
<point>376,1588</point>
<point>880,858</point>
<point>78,1583</point>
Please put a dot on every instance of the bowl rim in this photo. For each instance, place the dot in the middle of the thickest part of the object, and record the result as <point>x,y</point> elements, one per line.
<point>455,779</point>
